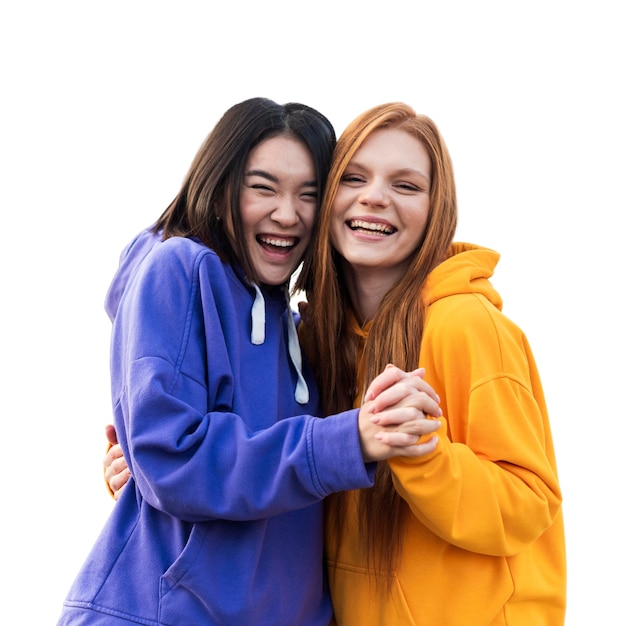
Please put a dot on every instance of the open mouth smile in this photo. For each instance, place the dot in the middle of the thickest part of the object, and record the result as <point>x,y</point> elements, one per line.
<point>278,244</point>
<point>371,228</point>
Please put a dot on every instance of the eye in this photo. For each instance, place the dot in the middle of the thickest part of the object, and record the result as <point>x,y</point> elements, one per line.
<point>310,196</point>
<point>261,187</point>
<point>352,178</point>
<point>406,187</point>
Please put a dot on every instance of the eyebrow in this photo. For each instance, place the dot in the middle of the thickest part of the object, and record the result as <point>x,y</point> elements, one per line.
<point>262,174</point>
<point>268,176</point>
<point>401,172</point>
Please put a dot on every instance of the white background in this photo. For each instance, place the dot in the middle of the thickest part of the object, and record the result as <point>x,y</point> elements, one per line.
<point>103,107</point>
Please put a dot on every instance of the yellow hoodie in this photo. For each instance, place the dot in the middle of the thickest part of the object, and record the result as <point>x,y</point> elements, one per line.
<point>485,543</point>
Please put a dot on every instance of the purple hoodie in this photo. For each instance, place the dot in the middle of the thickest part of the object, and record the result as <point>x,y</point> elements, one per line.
<point>221,522</point>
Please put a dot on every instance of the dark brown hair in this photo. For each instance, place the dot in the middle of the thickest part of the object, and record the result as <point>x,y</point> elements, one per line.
<point>212,187</point>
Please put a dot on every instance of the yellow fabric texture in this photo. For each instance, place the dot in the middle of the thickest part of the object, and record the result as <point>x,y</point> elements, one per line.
<point>485,542</point>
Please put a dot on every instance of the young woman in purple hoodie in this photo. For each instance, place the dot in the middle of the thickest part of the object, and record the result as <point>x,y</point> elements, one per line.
<point>214,406</point>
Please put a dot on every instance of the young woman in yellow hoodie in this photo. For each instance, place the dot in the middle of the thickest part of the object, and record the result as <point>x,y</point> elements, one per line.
<point>472,533</point>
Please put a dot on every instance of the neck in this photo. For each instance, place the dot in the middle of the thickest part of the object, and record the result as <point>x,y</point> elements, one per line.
<point>367,288</point>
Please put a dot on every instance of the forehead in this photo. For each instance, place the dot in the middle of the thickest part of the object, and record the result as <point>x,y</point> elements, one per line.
<point>394,148</point>
<point>281,153</point>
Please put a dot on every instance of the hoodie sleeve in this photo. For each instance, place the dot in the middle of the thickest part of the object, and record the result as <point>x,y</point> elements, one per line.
<point>491,484</point>
<point>190,455</point>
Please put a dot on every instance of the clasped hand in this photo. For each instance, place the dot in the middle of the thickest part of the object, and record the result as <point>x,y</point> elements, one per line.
<point>398,409</point>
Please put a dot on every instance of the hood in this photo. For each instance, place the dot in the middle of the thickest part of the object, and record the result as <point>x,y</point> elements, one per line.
<point>130,259</point>
<point>467,270</point>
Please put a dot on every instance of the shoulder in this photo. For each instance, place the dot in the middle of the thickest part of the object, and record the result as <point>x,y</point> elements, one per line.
<point>183,248</point>
<point>469,327</point>
<point>471,318</point>
<point>179,255</point>
<point>173,264</point>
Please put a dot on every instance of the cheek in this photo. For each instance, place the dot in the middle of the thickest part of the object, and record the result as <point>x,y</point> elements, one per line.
<point>416,217</point>
<point>308,214</point>
<point>423,221</point>
<point>337,218</point>
<point>252,208</point>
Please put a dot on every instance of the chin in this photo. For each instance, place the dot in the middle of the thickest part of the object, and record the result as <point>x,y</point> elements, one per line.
<point>274,281</point>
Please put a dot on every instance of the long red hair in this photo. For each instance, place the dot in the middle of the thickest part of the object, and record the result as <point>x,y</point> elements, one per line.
<point>396,330</point>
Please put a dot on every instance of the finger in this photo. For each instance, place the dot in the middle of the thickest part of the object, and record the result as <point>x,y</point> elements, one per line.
<point>399,396</point>
<point>118,482</point>
<point>416,379</point>
<point>395,439</point>
<point>394,394</point>
<point>416,427</point>
<point>119,465</point>
<point>114,452</point>
<point>417,450</point>
<point>390,375</point>
<point>111,434</point>
<point>421,449</point>
<point>116,468</point>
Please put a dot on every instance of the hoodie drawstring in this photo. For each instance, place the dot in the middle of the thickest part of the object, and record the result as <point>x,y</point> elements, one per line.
<point>258,318</point>
<point>295,354</point>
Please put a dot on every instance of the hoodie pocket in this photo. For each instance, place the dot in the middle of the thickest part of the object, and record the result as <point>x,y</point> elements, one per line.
<point>360,598</point>
<point>184,589</point>
<point>364,598</point>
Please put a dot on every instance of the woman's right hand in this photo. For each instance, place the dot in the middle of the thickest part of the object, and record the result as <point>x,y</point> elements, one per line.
<point>116,471</point>
<point>399,408</point>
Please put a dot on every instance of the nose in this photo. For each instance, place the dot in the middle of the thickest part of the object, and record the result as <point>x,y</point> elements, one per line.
<point>286,213</point>
<point>374,194</point>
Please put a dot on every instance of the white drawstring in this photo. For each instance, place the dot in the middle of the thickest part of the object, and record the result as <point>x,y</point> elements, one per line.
<point>302,391</point>
<point>258,318</point>
<point>257,337</point>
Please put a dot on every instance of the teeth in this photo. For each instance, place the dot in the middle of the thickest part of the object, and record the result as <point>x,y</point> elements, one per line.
<point>381,228</point>
<point>279,243</point>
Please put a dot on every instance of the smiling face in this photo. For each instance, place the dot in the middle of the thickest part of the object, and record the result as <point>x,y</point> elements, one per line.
<point>380,211</point>
<point>278,204</point>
